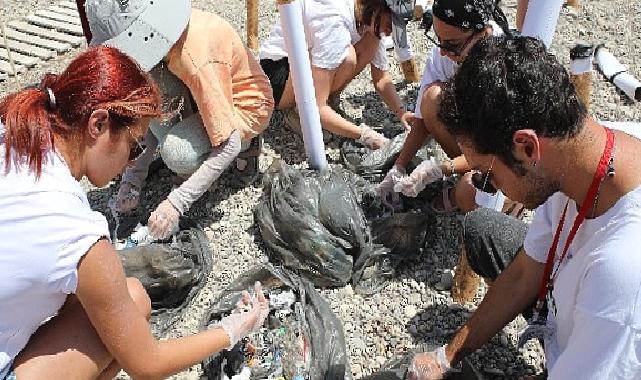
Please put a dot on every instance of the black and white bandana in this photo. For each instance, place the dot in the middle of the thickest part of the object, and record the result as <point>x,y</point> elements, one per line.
<point>470,14</point>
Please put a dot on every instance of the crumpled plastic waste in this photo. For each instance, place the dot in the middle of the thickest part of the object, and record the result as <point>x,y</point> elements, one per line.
<point>172,272</point>
<point>300,340</point>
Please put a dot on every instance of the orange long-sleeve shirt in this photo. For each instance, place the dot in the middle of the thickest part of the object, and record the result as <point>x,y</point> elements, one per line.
<point>227,83</point>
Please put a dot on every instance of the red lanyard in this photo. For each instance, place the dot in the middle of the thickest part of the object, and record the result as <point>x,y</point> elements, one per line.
<point>600,173</point>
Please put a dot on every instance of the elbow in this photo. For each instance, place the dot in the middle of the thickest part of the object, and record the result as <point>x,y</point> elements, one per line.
<point>147,371</point>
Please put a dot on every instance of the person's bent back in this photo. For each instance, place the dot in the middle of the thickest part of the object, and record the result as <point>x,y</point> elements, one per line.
<point>67,308</point>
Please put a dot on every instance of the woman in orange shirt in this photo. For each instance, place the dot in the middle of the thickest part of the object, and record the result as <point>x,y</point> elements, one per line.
<point>199,58</point>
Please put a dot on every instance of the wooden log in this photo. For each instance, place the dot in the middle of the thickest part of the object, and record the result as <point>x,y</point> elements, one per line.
<point>6,68</point>
<point>466,281</point>
<point>18,58</point>
<point>30,50</point>
<point>57,25</point>
<point>573,3</point>
<point>410,71</point>
<point>59,47</point>
<point>252,24</point>
<point>74,20</point>
<point>3,31</point>
<point>46,33</point>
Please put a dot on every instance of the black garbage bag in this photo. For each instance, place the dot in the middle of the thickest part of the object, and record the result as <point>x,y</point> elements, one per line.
<point>373,165</point>
<point>396,369</point>
<point>311,223</point>
<point>403,232</point>
<point>172,272</point>
<point>321,329</point>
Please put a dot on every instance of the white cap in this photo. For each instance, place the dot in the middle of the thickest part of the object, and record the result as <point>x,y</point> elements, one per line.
<point>145,30</point>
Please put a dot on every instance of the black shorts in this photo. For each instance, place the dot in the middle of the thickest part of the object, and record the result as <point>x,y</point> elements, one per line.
<point>492,240</point>
<point>277,72</point>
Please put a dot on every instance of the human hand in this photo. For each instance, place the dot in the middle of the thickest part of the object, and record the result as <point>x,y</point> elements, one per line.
<point>385,189</point>
<point>163,220</point>
<point>249,315</point>
<point>408,120</point>
<point>427,172</point>
<point>429,365</point>
<point>128,197</point>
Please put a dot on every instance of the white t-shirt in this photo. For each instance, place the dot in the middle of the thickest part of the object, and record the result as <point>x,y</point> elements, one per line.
<point>597,293</point>
<point>440,68</point>
<point>330,28</point>
<point>46,226</point>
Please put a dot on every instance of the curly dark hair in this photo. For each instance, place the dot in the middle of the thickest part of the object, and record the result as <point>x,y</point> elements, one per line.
<point>509,83</point>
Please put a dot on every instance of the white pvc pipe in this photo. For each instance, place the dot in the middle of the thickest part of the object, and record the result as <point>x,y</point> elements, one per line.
<point>541,19</point>
<point>610,66</point>
<point>291,19</point>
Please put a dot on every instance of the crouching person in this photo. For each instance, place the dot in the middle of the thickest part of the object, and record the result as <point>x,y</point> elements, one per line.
<point>580,253</point>
<point>198,58</point>
<point>67,309</point>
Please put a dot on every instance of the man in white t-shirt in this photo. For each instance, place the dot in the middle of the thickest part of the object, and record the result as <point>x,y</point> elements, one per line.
<point>518,120</point>
<point>343,36</point>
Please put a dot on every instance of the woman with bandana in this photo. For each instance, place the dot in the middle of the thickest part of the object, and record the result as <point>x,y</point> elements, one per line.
<point>457,26</point>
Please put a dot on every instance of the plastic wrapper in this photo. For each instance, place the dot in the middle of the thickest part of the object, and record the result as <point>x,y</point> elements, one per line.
<point>373,165</point>
<point>172,272</point>
<point>301,337</point>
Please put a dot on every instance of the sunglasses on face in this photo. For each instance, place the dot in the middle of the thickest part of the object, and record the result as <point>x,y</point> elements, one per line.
<point>482,180</point>
<point>454,49</point>
<point>137,150</point>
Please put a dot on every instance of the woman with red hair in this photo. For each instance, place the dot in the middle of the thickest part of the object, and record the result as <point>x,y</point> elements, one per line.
<point>67,309</point>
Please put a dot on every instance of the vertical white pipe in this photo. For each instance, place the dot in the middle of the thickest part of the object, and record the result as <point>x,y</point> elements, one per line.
<point>291,18</point>
<point>541,19</point>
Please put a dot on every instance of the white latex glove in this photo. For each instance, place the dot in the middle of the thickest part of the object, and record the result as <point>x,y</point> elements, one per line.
<point>163,220</point>
<point>128,197</point>
<point>429,365</point>
<point>427,172</point>
<point>371,139</point>
<point>385,189</point>
<point>249,315</point>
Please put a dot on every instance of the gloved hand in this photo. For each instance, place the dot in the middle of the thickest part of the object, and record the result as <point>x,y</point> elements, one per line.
<point>371,139</point>
<point>249,315</point>
<point>427,172</point>
<point>429,365</point>
<point>163,220</point>
<point>128,197</point>
<point>385,189</point>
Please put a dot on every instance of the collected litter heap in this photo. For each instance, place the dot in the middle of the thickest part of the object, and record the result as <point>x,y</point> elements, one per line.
<point>332,228</point>
<point>301,339</point>
<point>172,272</point>
<point>373,165</point>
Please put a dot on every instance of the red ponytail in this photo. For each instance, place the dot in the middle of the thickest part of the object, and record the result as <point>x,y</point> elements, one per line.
<point>99,78</point>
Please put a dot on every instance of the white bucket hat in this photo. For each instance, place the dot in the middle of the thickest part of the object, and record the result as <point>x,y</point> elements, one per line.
<point>143,29</point>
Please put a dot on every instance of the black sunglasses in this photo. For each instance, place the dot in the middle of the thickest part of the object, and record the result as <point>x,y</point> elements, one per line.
<point>137,150</point>
<point>455,49</point>
<point>482,181</point>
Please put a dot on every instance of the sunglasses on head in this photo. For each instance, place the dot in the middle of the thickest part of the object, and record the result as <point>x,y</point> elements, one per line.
<point>455,49</point>
<point>482,181</point>
<point>137,150</point>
